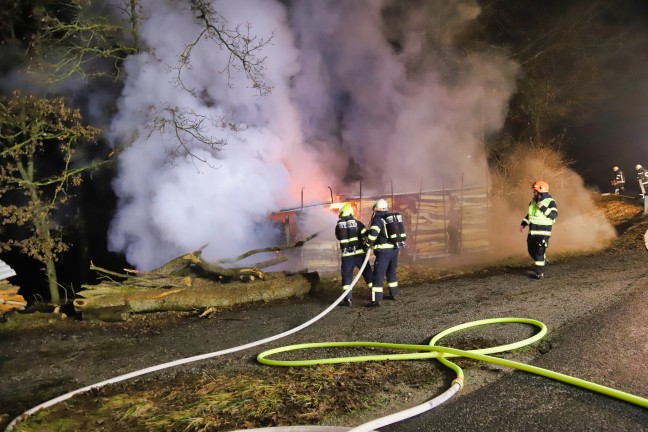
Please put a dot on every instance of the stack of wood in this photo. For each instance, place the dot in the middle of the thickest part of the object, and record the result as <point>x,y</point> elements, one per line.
<point>475,233</point>
<point>429,225</point>
<point>432,218</point>
<point>9,298</point>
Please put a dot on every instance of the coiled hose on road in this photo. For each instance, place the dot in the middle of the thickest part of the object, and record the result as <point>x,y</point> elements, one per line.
<point>442,354</point>
<point>421,352</point>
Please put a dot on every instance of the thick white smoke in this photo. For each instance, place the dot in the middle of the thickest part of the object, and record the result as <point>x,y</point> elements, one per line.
<point>360,88</point>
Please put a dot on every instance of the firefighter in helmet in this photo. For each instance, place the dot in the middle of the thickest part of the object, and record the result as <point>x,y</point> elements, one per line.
<point>351,233</point>
<point>540,217</point>
<point>642,178</point>
<point>618,182</point>
<point>386,254</point>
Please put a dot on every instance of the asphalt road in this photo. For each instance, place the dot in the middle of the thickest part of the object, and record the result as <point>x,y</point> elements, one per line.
<point>596,309</point>
<point>608,346</point>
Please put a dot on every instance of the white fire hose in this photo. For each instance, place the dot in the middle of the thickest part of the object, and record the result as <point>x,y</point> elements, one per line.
<point>186,360</point>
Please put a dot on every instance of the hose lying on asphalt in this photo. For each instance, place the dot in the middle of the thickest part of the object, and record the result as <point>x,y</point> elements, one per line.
<point>186,360</point>
<point>442,353</point>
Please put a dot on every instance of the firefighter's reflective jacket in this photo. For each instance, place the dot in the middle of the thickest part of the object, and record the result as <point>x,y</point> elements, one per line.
<point>350,232</point>
<point>541,215</point>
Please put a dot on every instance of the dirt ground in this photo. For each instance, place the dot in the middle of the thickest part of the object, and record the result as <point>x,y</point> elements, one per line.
<point>595,307</point>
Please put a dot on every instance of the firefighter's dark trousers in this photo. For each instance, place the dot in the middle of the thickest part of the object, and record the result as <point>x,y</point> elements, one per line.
<point>349,263</point>
<point>385,265</point>
<point>537,246</point>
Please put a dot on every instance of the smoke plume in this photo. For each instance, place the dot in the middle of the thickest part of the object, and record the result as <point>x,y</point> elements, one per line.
<point>361,90</point>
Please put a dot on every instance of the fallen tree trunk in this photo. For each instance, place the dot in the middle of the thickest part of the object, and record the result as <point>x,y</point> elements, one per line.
<point>201,294</point>
<point>188,283</point>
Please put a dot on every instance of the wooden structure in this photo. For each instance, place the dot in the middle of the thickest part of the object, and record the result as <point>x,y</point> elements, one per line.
<point>438,223</point>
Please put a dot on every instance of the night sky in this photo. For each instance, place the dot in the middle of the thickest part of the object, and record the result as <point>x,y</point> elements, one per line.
<point>616,131</point>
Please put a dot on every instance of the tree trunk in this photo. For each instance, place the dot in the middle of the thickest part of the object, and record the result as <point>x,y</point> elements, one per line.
<point>188,282</point>
<point>52,280</point>
<point>183,294</point>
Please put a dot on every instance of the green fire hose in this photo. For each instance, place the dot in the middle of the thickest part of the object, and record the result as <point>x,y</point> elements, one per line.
<point>441,353</point>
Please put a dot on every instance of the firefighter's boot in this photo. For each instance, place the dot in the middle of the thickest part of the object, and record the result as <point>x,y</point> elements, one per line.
<point>376,299</point>
<point>394,292</point>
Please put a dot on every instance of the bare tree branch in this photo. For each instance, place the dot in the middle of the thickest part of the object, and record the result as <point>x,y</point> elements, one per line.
<point>244,49</point>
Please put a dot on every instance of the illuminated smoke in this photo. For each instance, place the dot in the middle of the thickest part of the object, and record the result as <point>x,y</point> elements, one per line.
<point>376,95</point>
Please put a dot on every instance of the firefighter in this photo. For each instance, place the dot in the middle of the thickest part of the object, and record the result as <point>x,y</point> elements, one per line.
<point>642,178</point>
<point>540,217</point>
<point>619,181</point>
<point>351,234</point>
<point>386,254</point>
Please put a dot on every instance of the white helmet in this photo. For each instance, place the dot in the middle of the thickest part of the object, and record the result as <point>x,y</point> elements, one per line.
<point>615,169</point>
<point>380,205</point>
<point>638,167</point>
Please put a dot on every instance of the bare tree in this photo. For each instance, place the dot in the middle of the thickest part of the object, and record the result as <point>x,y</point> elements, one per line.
<point>244,48</point>
<point>189,127</point>
<point>244,51</point>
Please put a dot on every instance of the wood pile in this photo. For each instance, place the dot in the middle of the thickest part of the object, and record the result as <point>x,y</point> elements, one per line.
<point>442,222</point>
<point>9,298</point>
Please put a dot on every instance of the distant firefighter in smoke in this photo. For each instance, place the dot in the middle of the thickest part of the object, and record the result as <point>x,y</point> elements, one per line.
<point>642,178</point>
<point>540,217</point>
<point>618,182</point>
<point>351,233</point>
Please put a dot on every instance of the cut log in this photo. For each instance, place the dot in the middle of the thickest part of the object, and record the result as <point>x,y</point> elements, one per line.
<point>202,294</point>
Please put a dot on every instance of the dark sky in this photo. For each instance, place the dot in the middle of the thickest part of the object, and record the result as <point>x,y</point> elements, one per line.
<point>616,132</point>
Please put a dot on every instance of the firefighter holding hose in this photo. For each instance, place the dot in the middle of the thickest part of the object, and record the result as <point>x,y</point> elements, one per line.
<point>351,233</point>
<point>540,217</point>
<point>386,237</point>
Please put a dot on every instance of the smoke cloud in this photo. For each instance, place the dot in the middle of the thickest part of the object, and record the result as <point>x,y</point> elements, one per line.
<point>362,90</point>
<point>580,225</point>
